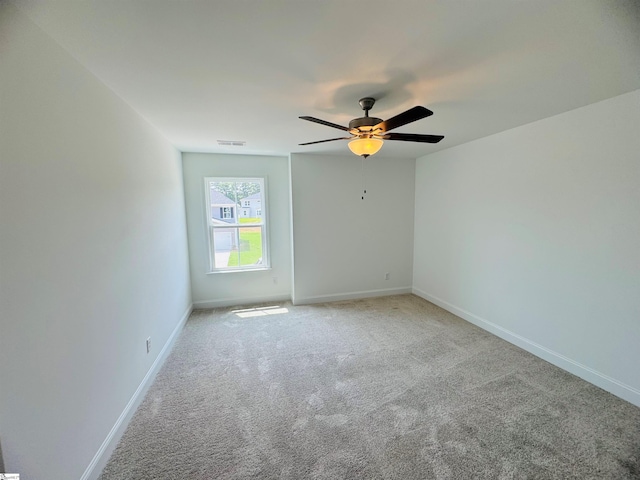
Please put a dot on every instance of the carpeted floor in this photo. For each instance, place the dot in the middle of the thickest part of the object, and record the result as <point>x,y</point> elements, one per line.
<point>384,388</point>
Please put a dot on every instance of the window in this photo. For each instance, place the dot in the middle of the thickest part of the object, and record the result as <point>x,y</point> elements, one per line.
<point>236,242</point>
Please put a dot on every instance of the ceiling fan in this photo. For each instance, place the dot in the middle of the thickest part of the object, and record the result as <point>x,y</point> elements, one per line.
<point>368,133</point>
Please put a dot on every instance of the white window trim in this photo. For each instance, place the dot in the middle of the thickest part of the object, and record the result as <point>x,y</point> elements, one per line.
<point>266,257</point>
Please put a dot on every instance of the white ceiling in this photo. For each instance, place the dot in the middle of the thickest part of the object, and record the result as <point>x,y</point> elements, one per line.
<point>201,71</point>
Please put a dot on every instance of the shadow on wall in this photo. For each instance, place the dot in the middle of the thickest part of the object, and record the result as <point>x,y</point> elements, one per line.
<point>1,459</point>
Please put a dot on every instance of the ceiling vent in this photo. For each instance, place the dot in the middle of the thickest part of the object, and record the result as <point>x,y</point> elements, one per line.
<point>231,143</point>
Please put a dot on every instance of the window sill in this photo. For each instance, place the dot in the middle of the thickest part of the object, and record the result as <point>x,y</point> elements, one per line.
<point>244,270</point>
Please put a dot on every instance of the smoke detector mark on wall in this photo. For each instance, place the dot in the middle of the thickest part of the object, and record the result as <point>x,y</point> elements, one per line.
<point>232,143</point>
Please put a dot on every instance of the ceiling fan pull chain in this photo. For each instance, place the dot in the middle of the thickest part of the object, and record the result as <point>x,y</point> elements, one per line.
<point>364,183</point>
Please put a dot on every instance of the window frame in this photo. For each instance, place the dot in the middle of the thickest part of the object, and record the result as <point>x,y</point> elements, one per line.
<point>236,225</point>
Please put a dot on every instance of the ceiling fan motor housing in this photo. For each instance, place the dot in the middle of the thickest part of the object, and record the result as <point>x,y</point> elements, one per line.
<point>356,123</point>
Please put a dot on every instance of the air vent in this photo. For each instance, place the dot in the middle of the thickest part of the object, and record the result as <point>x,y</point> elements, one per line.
<point>231,143</point>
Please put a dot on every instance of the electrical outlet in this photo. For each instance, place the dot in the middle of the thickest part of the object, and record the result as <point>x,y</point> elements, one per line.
<point>148,344</point>
<point>275,280</point>
<point>387,276</point>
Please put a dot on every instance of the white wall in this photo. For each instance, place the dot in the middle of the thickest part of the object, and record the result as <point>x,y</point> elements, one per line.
<point>233,288</point>
<point>93,254</point>
<point>534,233</point>
<point>343,245</point>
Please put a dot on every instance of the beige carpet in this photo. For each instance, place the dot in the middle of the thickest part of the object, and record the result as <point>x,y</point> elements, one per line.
<point>385,388</point>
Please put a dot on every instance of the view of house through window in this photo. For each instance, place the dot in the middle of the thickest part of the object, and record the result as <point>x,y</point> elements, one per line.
<point>237,226</point>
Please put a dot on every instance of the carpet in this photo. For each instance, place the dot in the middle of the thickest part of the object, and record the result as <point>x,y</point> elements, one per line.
<point>382,388</point>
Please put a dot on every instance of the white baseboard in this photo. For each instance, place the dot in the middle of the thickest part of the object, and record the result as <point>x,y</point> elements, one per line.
<point>601,380</point>
<point>336,297</point>
<point>239,301</point>
<point>106,449</point>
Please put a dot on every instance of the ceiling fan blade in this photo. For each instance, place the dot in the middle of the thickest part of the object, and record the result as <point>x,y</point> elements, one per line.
<point>324,122</point>
<point>413,137</point>
<point>411,115</point>
<point>329,140</point>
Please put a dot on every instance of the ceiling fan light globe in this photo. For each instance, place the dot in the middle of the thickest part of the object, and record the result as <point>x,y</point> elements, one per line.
<point>365,146</point>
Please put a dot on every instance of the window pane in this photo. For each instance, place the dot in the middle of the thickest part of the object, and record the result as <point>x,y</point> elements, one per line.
<point>223,202</point>
<point>250,246</point>
<point>225,247</point>
<point>249,196</point>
